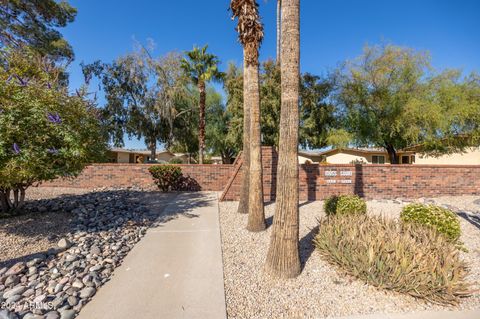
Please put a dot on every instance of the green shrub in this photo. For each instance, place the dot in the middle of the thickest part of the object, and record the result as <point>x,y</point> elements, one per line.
<point>345,204</point>
<point>175,160</point>
<point>166,177</point>
<point>416,261</point>
<point>443,220</point>
<point>45,132</point>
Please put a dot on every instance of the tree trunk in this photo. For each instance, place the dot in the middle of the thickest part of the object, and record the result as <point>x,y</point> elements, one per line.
<point>4,195</point>
<point>256,213</point>
<point>244,190</point>
<point>201,124</point>
<point>283,258</point>
<point>279,30</point>
<point>153,151</point>
<point>392,154</point>
<point>7,205</point>
<point>22,198</point>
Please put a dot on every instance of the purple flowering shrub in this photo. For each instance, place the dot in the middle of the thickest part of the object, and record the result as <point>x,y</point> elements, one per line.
<point>45,132</point>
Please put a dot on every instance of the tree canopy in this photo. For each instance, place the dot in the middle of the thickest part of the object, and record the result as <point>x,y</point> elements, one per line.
<point>143,95</point>
<point>200,66</point>
<point>219,140</point>
<point>317,116</point>
<point>45,132</point>
<point>391,97</point>
<point>36,24</point>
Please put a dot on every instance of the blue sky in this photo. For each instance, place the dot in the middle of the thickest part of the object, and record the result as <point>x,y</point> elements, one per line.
<point>331,31</point>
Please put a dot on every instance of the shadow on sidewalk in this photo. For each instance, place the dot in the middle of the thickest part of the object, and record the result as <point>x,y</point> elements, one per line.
<point>95,212</point>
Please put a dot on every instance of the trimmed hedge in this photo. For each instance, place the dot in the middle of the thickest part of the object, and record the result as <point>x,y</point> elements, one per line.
<point>441,219</point>
<point>417,261</point>
<point>345,204</point>
<point>166,177</point>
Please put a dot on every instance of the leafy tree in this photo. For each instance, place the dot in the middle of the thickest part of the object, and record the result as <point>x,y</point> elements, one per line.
<point>45,132</point>
<point>36,24</point>
<point>283,258</point>
<point>270,96</point>
<point>389,97</point>
<point>250,35</point>
<point>233,86</point>
<point>185,127</point>
<point>142,96</point>
<point>458,100</point>
<point>218,139</point>
<point>317,111</point>
<point>201,67</point>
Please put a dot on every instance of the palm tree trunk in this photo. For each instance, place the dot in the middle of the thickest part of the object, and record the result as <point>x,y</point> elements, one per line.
<point>279,31</point>
<point>201,124</point>
<point>256,213</point>
<point>244,190</point>
<point>283,258</point>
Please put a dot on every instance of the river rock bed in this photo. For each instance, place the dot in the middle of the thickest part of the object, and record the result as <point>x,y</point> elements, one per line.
<point>103,227</point>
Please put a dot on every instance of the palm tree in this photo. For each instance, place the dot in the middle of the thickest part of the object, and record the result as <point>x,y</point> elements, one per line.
<point>283,258</point>
<point>250,34</point>
<point>279,31</point>
<point>201,67</point>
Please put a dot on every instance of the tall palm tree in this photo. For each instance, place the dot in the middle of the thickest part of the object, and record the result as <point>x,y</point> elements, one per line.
<point>201,67</point>
<point>279,31</point>
<point>250,34</point>
<point>283,258</point>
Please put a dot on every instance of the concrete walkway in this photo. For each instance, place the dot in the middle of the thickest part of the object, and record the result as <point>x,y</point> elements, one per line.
<point>175,271</point>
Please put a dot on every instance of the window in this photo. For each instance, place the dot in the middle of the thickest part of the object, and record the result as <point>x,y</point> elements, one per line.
<point>378,159</point>
<point>405,159</point>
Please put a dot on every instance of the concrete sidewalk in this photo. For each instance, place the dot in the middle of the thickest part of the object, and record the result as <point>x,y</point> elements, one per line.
<point>175,271</point>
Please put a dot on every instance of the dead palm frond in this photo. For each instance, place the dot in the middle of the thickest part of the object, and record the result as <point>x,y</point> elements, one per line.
<point>249,27</point>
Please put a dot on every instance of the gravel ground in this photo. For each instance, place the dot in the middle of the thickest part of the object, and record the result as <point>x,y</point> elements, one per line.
<point>55,258</point>
<point>320,291</point>
<point>24,235</point>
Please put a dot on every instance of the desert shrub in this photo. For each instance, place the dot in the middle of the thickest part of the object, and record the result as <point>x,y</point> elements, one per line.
<point>416,261</point>
<point>345,204</point>
<point>175,160</point>
<point>166,177</point>
<point>441,219</point>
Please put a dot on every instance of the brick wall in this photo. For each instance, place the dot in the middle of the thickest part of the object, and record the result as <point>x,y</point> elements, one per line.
<point>210,177</point>
<point>316,182</point>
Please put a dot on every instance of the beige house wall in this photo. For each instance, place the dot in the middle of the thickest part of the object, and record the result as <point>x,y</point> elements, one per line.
<point>346,158</point>
<point>470,157</point>
<point>349,157</point>
<point>309,159</point>
<point>123,157</point>
<point>164,157</point>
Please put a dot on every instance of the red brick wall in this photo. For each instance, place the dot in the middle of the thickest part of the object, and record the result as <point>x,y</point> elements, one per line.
<point>316,182</point>
<point>370,181</point>
<point>210,177</point>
